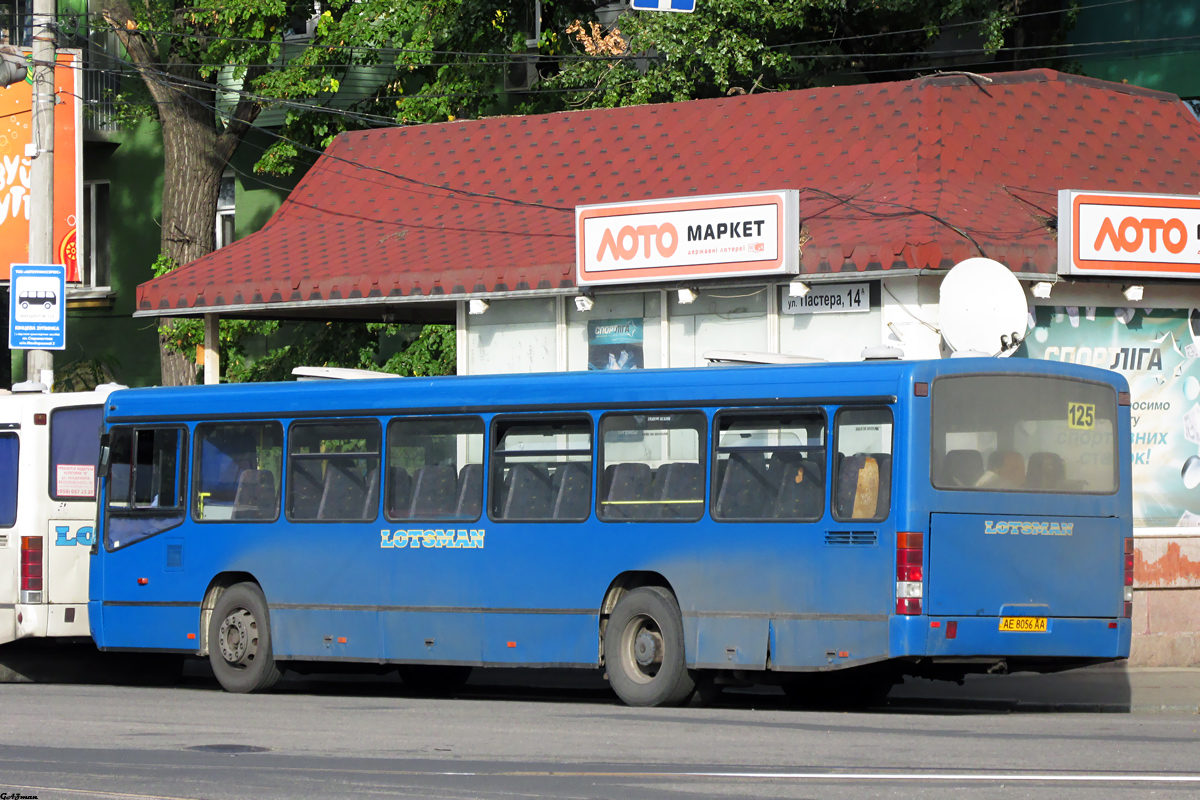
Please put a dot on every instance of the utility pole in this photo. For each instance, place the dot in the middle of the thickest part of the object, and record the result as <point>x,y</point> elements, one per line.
<point>41,174</point>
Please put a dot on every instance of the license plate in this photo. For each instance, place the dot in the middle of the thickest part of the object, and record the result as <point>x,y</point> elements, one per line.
<point>1023,624</point>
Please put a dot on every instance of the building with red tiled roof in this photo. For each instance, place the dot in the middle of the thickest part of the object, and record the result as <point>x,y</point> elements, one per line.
<point>893,177</point>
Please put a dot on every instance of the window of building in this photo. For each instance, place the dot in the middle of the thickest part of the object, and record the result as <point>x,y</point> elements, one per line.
<point>542,469</point>
<point>238,469</point>
<point>770,467</point>
<point>226,210</point>
<point>434,469</point>
<point>652,466</point>
<point>863,464</point>
<point>74,452</point>
<point>333,471</point>
<point>94,254</point>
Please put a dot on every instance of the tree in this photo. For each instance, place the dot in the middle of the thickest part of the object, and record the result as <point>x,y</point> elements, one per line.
<point>179,49</point>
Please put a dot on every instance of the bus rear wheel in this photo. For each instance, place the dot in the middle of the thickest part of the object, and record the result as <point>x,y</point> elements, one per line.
<point>239,641</point>
<point>643,650</point>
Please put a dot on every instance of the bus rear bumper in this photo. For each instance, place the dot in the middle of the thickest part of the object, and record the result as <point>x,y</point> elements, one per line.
<point>966,637</point>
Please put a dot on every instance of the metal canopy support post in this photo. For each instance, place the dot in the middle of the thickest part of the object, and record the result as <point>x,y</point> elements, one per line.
<point>212,348</point>
<point>39,364</point>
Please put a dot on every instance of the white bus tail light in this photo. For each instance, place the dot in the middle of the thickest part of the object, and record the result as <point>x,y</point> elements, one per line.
<point>31,569</point>
<point>1128,611</point>
<point>910,587</point>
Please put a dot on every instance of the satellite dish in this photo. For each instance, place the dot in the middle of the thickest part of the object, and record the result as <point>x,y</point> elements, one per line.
<point>983,308</point>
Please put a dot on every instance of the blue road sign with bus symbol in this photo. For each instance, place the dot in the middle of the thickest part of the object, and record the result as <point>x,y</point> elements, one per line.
<point>37,312</point>
<point>664,5</point>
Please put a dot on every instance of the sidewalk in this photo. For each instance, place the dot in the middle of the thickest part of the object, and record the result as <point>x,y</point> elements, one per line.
<point>1109,688</point>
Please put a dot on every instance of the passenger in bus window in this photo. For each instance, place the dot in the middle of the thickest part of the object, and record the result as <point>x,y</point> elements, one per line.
<point>1006,470</point>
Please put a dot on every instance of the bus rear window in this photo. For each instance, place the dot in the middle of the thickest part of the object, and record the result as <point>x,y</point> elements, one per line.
<point>74,452</point>
<point>10,447</point>
<point>1024,433</point>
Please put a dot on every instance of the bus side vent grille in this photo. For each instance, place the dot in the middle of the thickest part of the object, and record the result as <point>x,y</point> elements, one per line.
<point>868,538</point>
<point>174,556</point>
<point>3,540</point>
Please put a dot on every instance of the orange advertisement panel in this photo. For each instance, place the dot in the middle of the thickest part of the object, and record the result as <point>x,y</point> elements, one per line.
<point>1117,233</point>
<point>16,140</point>
<point>672,239</point>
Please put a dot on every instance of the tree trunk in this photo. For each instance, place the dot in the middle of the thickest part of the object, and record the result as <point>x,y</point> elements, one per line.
<point>191,185</point>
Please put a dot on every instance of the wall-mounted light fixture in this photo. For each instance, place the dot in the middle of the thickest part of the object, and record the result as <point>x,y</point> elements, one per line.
<point>1041,289</point>
<point>1133,293</point>
<point>798,289</point>
<point>477,306</point>
<point>686,296</point>
<point>584,303</point>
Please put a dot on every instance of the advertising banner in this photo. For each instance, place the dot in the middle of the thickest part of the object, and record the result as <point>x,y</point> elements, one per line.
<point>713,236</point>
<point>1114,233</point>
<point>1158,352</point>
<point>16,140</point>
<point>615,344</point>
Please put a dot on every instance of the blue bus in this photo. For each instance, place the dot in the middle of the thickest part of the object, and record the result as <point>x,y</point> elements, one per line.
<point>826,527</point>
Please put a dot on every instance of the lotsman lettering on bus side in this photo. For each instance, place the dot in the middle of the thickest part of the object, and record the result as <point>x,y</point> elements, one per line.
<point>432,539</point>
<point>84,536</point>
<point>1028,528</point>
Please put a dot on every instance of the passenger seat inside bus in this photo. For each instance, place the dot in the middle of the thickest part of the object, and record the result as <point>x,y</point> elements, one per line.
<point>1046,471</point>
<point>470,492</point>
<point>344,494</point>
<point>799,492</point>
<point>255,495</point>
<point>435,490</point>
<point>859,483</point>
<point>573,499</point>
<point>628,485</point>
<point>400,497</point>
<point>530,492</point>
<point>962,468</point>
<point>745,488</point>
<point>678,487</point>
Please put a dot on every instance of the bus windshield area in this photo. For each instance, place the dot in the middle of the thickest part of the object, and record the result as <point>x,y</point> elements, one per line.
<point>1017,433</point>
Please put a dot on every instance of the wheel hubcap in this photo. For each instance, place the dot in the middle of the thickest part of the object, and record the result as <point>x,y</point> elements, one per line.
<point>239,638</point>
<point>642,649</point>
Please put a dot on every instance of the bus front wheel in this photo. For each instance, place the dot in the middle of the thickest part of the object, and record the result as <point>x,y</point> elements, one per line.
<point>239,641</point>
<point>643,650</point>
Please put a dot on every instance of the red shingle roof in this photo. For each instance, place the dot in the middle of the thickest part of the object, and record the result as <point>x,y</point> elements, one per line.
<point>895,176</point>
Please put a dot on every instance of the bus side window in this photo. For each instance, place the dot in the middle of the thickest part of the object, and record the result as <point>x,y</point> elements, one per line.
<point>434,468</point>
<point>74,452</point>
<point>863,474</point>
<point>333,471</point>
<point>770,467</point>
<point>146,484</point>
<point>238,470</point>
<point>10,448</point>
<point>652,466</point>
<point>541,469</point>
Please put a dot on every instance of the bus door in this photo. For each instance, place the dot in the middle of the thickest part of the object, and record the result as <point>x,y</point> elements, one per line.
<point>74,448</point>
<point>1028,526</point>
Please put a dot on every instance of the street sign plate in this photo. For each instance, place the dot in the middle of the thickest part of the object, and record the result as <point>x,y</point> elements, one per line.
<point>664,5</point>
<point>37,309</point>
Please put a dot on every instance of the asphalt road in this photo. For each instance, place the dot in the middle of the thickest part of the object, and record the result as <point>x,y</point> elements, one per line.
<point>372,738</point>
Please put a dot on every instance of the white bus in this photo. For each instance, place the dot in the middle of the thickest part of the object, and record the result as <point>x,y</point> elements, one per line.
<point>49,447</point>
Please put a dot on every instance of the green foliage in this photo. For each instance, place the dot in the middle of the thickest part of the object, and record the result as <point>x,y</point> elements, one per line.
<point>423,350</point>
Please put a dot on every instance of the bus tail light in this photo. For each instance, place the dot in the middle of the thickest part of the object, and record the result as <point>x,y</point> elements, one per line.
<point>910,557</point>
<point>31,569</point>
<point>1128,611</point>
